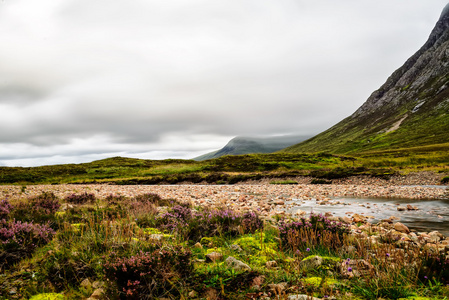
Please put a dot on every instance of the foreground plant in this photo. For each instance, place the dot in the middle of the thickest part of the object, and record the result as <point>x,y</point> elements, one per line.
<point>148,274</point>
<point>19,240</point>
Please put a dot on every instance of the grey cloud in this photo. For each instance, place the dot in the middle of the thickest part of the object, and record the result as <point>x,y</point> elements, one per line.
<point>146,75</point>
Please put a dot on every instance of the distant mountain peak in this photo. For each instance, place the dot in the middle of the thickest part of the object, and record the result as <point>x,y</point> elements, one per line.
<point>249,145</point>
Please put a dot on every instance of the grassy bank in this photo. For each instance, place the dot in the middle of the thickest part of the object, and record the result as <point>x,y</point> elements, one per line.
<point>233,169</point>
<point>146,247</point>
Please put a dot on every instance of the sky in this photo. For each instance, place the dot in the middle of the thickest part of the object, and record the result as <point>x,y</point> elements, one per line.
<point>82,80</point>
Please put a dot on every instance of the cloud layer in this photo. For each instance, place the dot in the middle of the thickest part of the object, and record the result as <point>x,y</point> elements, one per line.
<point>83,80</point>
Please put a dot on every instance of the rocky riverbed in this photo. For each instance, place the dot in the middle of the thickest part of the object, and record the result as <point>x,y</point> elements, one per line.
<point>267,199</point>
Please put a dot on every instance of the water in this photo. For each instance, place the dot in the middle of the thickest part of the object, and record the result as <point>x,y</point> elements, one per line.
<point>431,214</point>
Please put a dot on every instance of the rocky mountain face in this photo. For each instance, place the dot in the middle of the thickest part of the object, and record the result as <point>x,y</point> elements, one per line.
<point>410,109</point>
<point>248,145</point>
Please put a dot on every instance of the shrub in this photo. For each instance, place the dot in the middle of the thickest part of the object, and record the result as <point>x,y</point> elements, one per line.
<point>208,222</point>
<point>435,267</point>
<point>176,218</point>
<point>251,222</point>
<point>311,231</point>
<point>142,212</point>
<point>81,198</point>
<point>148,197</point>
<point>224,222</point>
<point>445,180</point>
<point>18,240</point>
<point>115,199</point>
<point>5,209</point>
<point>46,203</point>
<point>149,274</point>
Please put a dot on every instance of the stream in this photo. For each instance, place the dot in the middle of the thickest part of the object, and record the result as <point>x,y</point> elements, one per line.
<point>431,214</point>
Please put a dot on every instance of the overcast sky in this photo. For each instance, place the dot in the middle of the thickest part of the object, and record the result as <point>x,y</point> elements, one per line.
<point>82,80</point>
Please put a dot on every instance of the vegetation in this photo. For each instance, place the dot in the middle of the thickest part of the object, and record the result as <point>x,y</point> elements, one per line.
<point>110,249</point>
<point>279,167</point>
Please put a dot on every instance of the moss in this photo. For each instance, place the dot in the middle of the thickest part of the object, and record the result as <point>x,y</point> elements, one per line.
<point>326,259</point>
<point>256,242</point>
<point>328,263</point>
<point>415,298</point>
<point>216,249</point>
<point>60,214</point>
<point>210,242</point>
<point>48,296</point>
<point>151,230</point>
<point>77,226</point>
<point>258,247</point>
<point>316,281</point>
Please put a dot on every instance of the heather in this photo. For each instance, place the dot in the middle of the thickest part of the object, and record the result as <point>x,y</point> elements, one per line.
<point>146,247</point>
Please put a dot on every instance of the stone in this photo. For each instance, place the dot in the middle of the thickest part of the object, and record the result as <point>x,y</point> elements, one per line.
<point>350,249</point>
<point>156,237</point>
<point>86,283</point>
<point>97,294</point>
<point>193,294</point>
<point>401,227</point>
<point>214,257</point>
<point>435,236</point>
<point>301,297</point>
<point>409,207</point>
<point>98,284</point>
<point>235,247</point>
<point>346,220</point>
<point>198,246</point>
<point>271,264</point>
<point>358,218</point>
<point>237,265</point>
<point>311,263</point>
<point>278,288</point>
<point>65,206</point>
<point>257,282</point>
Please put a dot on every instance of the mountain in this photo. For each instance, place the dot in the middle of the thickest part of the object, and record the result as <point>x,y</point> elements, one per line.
<point>248,145</point>
<point>410,109</point>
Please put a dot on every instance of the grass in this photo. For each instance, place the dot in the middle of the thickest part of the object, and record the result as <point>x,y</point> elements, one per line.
<point>132,248</point>
<point>279,167</point>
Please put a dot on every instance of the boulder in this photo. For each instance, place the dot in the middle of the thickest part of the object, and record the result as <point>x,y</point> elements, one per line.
<point>237,265</point>
<point>214,257</point>
<point>311,263</point>
<point>236,247</point>
<point>401,227</point>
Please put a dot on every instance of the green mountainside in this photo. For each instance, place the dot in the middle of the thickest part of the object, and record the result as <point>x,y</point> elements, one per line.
<point>411,109</point>
<point>249,145</point>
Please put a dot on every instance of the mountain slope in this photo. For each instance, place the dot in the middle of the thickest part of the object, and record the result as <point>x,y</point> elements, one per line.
<point>410,109</point>
<point>249,145</point>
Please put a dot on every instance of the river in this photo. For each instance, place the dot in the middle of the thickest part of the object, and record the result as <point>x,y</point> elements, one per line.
<point>431,214</point>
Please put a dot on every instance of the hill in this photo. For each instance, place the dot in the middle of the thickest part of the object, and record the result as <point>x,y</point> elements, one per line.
<point>250,145</point>
<point>410,109</point>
